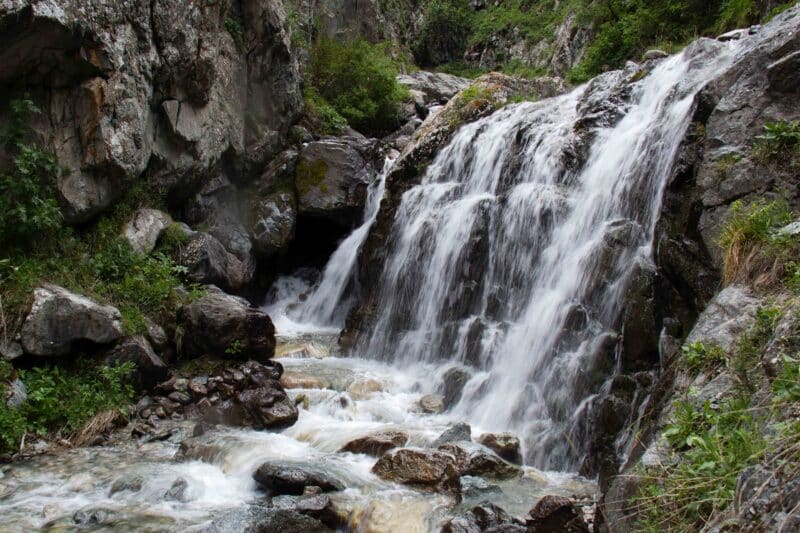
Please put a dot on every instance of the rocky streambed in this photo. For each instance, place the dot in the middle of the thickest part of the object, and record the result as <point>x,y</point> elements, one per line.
<point>368,452</point>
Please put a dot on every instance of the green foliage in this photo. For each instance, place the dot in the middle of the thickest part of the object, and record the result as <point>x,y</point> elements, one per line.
<point>331,122</point>
<point>28,208</point>
<point>459,68</point>
<point>358,80</point>
<point>786,386</point>
<point>737,14</point>
<point>61,400</point>
<point>234,27</point>
<point>751,245</point>
<point>751,344</point>
<point>698,357</point>
<point>779,142</point>
<point>235,348</point>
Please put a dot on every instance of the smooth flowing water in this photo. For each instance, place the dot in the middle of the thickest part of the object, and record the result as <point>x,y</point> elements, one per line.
<point>513,252</point>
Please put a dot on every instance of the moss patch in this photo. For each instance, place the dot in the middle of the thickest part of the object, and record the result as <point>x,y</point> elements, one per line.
<point>311,174</point>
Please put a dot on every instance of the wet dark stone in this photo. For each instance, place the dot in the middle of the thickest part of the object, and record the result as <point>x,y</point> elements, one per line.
<point>177,492</point>
<point>285,478</point>
<point>556,514</point>
<point>452,387</point>
<point>457,433</point>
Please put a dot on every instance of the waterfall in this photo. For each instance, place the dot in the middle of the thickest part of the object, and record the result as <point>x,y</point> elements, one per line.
<point>328,302</point>
<point>514,251</point>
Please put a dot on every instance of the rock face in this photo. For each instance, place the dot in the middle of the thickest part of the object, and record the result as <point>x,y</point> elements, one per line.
<point>473,460</point>
<point>150,88</point>
<point>434,87</point>
<point>272,221</point>
<point>484,517</point>
<point>59,317</point>
<point>376,444</point>
<point>332,176</point>
<point>143,230</point>
<point>208,261</point>
<point>226,326</point>
<point>424,469</point>
<point>280,478</point>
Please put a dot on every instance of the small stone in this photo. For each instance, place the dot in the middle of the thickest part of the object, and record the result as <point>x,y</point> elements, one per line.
<point>177,492</point>
<point>431,403</point>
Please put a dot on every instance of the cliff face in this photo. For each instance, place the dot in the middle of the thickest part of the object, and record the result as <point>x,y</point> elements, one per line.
<point>173,93</point>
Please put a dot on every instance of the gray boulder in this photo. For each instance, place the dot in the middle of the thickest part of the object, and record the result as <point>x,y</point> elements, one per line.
<point>226,326</point>
<point>271,222</point>
<point>144,229</point>
<point>475,460</point>
<point>460,432</point>
<point>505,445</point>
<point>424,469</point>
<point>149,369</point>
<point>728,315</point>
<point>208,261</point>
<point>59,317</point>
<point>332,176</point>
<point>376,444</point>
<point>435,87</point>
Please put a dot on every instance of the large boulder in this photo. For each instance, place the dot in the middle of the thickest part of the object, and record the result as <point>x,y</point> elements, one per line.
<point>208,261</point>
<point>728,315</point>
<point>144,228</point>
<point>505,445</point>
<point>423,469</point>
<point>59,317</point>
<point>485,516</point>
<point>149,369</point>
<point>435,87</point>
<point>475,460</point>
<point>286,478</point>
<point>332,176</point>
<point>376,444</point>
<point>226,326</point>
<point>556,514</point>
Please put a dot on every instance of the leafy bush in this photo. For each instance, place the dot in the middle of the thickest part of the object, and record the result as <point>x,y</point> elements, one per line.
<point>698,357</point>
<point>358,80</point>
<point>330,121</point>
<point>62,400</point>
<point>28,208</point>
<point>780,140</point>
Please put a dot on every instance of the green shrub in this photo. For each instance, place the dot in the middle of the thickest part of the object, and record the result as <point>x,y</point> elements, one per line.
<point>330,121</point>
<point>699,357</point>
<point>29,211</point>
<point>62,400</point>
<point>358,80</point>
<point>234,27</point>
<point>779,141</point>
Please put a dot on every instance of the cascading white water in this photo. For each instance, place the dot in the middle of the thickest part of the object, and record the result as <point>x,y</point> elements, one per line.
<point>513,252</point>
<point>327,303</point>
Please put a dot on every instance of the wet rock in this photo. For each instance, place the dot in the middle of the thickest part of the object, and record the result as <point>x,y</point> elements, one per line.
<point>59,317</point>
<point>298,380</point>
<point>93,517</point>
<point>144,229</point>
<point>321,507</point>
<point>453,383</point>
<point>197,449</point>
<point>505,445</point>
<point>177,492</point>
<point>332,176</point>
<point>267,408</point>
<point>287,521</point>
<point>424,469</point>
<point>129,483</point>
<point>473,460</point>
<point>362,389</point>
<point>225,326</point>
<point>485,516</point>
<point>376,444</point>
<point>431,404</point>
<point>460,432</point>
<point>556,514</point>
<point>654,54</point>
<point>287,478</point>
<point>148,370</point>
